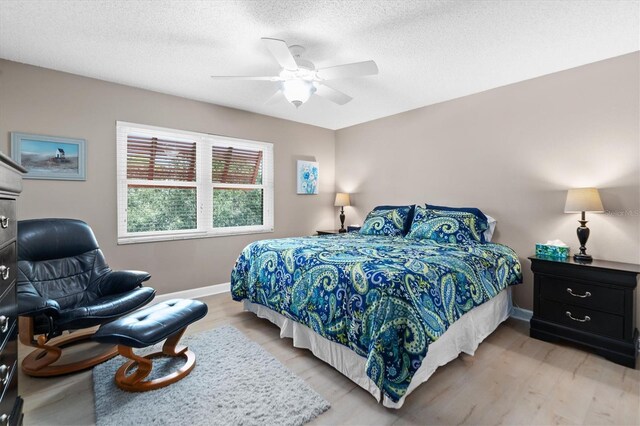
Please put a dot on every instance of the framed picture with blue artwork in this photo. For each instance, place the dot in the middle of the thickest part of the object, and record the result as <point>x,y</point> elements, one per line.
<point>49,157</point>
<point>308,177</point>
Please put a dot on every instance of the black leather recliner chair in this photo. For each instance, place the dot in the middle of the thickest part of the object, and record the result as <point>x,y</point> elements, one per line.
<point>65,284</point>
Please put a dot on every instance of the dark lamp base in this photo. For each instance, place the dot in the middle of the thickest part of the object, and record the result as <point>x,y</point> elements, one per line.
<point>341,230</point>
<point>583,236</point>
<point>583,257</point>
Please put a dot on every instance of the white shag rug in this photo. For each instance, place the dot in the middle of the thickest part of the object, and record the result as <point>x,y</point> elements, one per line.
<point>235,382</point>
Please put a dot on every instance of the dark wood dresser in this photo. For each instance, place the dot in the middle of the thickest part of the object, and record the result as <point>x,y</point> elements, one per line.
<point>10,188</point>
<point>592,304</point>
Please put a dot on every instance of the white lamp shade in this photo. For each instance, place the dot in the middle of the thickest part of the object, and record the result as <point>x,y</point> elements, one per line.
<point>583,200</point>
<point>342,199</point>
<point>298,91</point>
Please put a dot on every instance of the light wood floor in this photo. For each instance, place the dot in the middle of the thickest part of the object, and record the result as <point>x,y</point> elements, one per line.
<point>512,379</point>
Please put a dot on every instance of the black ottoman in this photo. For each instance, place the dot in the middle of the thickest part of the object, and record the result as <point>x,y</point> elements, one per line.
<point>166,320</point>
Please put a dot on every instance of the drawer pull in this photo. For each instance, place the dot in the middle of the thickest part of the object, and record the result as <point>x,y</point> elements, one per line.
<point>4,272</point>
<point>4,323</point>
<point>586,318</point>
<point>4,419</point>
<point>4,374</point>
<point>582,296</point>
<point>4,222</point>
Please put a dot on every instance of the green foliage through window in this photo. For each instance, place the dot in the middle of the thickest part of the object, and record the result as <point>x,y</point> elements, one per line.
<point>237,207</point>
<point>161,209</point>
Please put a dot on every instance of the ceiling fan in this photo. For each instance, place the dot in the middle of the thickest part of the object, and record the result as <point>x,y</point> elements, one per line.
<point>299,78</point>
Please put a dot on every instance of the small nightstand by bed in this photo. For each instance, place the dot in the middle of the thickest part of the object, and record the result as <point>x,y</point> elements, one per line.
<point>592,304</point>
<point>337,231</point>
<point>328,232</point>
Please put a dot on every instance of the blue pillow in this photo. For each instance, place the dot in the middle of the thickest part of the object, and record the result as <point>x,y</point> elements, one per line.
<point>447,226</point>
<point>385,221</point>
<point>407,222</point>
<point>481,216</point>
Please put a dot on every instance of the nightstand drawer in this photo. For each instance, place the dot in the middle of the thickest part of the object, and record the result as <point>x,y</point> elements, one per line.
<point>582,294</point>
<point>583,319</point>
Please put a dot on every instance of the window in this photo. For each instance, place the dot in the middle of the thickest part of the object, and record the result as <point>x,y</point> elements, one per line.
<point>174,184</point>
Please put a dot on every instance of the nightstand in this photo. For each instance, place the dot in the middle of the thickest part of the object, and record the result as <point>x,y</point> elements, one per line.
<point>328,232</point>
<point>592,304</point>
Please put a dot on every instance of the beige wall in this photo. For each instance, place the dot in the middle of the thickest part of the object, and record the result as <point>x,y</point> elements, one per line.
<point>513,152</point>
<point>36,100</point>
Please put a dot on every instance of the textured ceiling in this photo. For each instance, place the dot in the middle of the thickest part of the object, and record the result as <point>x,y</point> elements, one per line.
<point>427,51</point>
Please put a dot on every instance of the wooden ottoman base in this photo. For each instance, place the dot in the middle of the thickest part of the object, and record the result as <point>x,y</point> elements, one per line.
<point>40,362</point>
<point>145,328</point>
<point>135,382</point>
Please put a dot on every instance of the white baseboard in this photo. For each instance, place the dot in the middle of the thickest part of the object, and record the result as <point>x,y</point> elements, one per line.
<point>194,293</point>
<point>521,314</point>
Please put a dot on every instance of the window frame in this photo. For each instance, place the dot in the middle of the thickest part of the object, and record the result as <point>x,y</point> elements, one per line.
<point>204,184</point>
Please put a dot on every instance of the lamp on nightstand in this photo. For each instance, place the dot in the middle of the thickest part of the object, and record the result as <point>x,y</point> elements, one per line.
<point>342,200</point>
<point>581,200</point>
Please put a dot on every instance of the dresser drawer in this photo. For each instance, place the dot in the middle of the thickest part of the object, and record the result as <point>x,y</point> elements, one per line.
<point>8,223</point>
<point>8,361</point>
<point>582,294</point>
<point>8,313</point>
<point>576,317</point>
<point>8,401</point>
<point>8,266</point>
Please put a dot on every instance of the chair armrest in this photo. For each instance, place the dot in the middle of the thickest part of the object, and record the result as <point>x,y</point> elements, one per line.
<point>30,305</point>
<point>117,282</point>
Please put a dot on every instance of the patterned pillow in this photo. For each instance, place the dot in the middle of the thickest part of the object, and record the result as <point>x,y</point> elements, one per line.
<point>486,235</point>
<point>385,221</point>
<point>407,221</point>
<point>457,227</point>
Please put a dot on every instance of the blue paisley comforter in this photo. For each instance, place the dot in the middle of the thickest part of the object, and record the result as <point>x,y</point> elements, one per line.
<point>386,298</point>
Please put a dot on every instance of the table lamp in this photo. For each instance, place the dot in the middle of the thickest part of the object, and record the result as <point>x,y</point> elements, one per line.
<point>342,199</point>
<point>581,200</point>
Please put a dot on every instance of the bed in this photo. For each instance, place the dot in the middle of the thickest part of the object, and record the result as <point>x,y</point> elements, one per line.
<point>385,310</point>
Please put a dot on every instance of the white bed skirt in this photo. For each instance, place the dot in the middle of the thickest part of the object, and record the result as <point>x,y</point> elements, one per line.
<point>462,336</point>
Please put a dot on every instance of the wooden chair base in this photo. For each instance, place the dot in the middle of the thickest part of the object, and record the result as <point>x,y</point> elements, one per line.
<point>39,363</point>
<point>135,382</point>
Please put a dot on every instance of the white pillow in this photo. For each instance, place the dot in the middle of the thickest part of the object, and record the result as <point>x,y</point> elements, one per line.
<point>492,227</point>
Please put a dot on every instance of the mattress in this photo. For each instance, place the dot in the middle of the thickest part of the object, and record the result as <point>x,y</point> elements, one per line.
<point>463,336</point>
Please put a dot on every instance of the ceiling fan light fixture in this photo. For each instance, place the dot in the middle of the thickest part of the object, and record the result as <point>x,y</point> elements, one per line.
<point>299,79</point>
<point>298,91</point>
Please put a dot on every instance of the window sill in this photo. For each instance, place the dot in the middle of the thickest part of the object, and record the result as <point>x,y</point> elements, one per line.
<point>189,236</point>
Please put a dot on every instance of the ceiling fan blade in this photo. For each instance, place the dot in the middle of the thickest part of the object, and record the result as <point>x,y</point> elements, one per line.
<point>355,69</point>
<point>246,77</point>
<point>275,98</point>
<point>332,94</point>
<point>280,51</point>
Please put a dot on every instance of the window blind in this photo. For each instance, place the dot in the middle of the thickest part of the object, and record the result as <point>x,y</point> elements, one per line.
<point>151,158</point>
<point>236,166</point>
